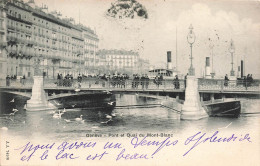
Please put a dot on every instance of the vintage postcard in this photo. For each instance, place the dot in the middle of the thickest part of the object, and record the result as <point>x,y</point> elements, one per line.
<point>130,82</point>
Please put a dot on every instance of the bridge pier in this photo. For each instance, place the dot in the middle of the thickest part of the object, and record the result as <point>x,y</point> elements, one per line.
<point>192,109</point>
<point>38,99</point>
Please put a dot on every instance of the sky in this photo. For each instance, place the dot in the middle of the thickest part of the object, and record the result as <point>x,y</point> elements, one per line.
<point>219,20</point>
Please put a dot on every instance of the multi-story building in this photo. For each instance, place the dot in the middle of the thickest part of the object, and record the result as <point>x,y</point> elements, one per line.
<point>90,49</point>
<point>120,61</point>
<point>144,66</point>
<point>28,33</point>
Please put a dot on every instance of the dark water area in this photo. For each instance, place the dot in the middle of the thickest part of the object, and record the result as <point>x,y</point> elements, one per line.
<point>123,119</point>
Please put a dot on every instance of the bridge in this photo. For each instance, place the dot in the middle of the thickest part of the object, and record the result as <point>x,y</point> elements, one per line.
<point>205,86</point>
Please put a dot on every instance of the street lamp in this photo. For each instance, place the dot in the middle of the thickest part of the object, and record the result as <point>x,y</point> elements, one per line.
<point>232,50</point>
<point>191,39</point>
<point>211,46</point>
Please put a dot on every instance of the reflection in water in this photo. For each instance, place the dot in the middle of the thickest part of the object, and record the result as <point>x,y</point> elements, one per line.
<point>74,123</point>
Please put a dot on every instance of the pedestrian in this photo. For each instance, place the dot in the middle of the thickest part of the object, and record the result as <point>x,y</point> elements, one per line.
<point>176,82</point>
<point>23,79</point>
<point>185,80</point>
<point>142,81</point>
<point>226,80</point>
<point>146,81</point>
<point>8,80</point>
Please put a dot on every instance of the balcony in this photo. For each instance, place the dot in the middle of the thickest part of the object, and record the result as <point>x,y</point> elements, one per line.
<point>54,47</point>
<point>12,37</point>
<point>10,26</point>
<point>29,32</point>
<point>3,44</point>
<point>2,29</point>
<point>54,29</point>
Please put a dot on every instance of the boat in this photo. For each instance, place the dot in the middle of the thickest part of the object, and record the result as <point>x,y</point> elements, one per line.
<point>86,100</point>
<point>166,73</point>
<point>223,108</point>
<point>217,108</point>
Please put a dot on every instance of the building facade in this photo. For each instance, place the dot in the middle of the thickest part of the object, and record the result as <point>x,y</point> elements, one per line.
<point>90,49</point>
<point>30,33</point>
<point>144,66</point>
<point>118,61</point>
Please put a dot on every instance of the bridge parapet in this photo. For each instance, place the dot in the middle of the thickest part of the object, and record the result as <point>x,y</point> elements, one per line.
<point>232,85</point>
<point>112,84</point>
<point>129,84</point>
<point>16,83</point>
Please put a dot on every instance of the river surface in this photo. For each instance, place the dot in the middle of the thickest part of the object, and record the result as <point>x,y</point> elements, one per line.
<point>154,119</point>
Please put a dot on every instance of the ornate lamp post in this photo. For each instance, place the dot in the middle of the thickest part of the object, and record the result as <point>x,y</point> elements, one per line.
<point>232,50</point>
<point>191,39</point>
<point>192,108</point>
<point>211,46</point>
<point>38,99</point>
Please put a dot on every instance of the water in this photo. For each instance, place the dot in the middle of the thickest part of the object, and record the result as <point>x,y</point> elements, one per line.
<point>126,120</point>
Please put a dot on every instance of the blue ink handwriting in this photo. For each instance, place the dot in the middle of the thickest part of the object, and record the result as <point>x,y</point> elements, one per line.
<point>161,144</point>
<point>197,138</point>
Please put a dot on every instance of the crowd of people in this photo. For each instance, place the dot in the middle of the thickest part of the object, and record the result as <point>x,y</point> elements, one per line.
<point>115,80</point>
<point>66,81</point>
<point>14,77</point>
<point>249,79</point>
<point>120,80</point>
<point>140,80</point>
<point>246,80</point>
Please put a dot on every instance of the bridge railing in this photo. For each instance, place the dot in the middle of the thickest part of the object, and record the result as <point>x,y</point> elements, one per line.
<point>231,85</point>
<point>129,84</point>
<point>113,84</point>
<point>16,83</point>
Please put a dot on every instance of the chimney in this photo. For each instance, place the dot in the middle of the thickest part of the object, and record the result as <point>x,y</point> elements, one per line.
<point>72,20</point>
<point>31,3</point>
<point>242,68</point>
<point>45,8</point>
<point>207,68</point>
<point>54,13</point>
<point>169,60</point>
<point>59,15</point>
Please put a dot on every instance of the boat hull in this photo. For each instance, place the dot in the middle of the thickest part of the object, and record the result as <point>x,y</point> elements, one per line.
<point>101,100</point>
<point>227,109</point>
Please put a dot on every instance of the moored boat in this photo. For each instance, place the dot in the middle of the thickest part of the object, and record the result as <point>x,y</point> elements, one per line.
<point>97,100</point>
<point>227,108</point>
<point>223,108</point>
